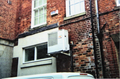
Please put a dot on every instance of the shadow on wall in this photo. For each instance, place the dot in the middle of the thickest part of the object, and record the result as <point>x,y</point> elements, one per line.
<point>6,53</point>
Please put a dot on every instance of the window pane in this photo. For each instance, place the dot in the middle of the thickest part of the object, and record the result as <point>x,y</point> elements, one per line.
<point>42,51</point>
<point>76,1</point>
<point>41,19</point>
<point>41,11</point>
<point>29,54</point>
<point>36,13</point>
<point>36,3</point>
<point>42,15</point>
<point>40,2</point>
<point>72,11</point>
<point>72,2</point>
<point>36,21</point>
<point>82,7</point>
<point>45,9</point>
<point>77,8</point>
<point>44,1</point>
<point>44,18</point>
<point>45,14</point>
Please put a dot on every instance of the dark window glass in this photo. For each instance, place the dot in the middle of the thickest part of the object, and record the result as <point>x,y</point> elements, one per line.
<point>29,54</point>
<point>42,51</point>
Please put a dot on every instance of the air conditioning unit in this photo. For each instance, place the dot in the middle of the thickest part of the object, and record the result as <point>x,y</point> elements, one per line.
<point>58,42</point>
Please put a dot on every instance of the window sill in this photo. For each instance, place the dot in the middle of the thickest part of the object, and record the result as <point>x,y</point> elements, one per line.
<point>74,16</point>
<point>38,26</point>
<point>41,62</point>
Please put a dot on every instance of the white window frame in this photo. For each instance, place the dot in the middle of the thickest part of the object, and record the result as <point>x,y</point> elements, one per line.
<point>117,1</point>
<point>68,8</point>
<point>35,53</point>
<point>33,15</point>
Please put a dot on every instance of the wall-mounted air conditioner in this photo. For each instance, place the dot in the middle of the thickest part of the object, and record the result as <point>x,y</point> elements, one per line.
<point>58,42</point>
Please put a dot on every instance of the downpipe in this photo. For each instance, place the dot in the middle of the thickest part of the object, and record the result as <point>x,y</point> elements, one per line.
<point>100,37</point>
<point>71,54</point>
<point>95,55</point>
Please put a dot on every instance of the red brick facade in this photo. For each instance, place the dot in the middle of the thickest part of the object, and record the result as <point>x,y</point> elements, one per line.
<point>23,19</point>
<point>111,18</point>
<point>7,19</point>
<point>80,33</point>
<point>53,5</point>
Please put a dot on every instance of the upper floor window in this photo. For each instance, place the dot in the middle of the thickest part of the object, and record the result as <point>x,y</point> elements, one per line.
<point>74,7</point>
<point>38,12</point>
<point>118,2</point>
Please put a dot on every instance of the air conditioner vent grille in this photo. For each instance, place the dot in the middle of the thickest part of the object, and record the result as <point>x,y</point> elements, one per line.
<point>52,39</point>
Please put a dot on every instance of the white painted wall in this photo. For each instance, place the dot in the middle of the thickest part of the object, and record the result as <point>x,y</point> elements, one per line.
<point>30,41</point>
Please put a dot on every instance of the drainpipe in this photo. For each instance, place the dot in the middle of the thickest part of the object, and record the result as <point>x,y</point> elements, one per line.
<point>71,54</point>
<point>100,37</point>
<point>97,14</point>
<point>95,55</point>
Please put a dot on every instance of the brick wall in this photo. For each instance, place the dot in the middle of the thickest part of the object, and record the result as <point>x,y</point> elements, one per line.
<point>109,15</point>
<point>80,33</point>
<point>79,29</point>
<point>83,56</point>
<point>112,27</point>
<point>106,5</point>
<point>23,16</point>
<point>53,5</point>
<point>7,19</point>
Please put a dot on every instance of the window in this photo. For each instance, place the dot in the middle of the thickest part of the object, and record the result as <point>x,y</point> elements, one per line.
<point>118,2</point>
<point>38,12</point>
<point>35,53</point>
<point>74,7</point>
